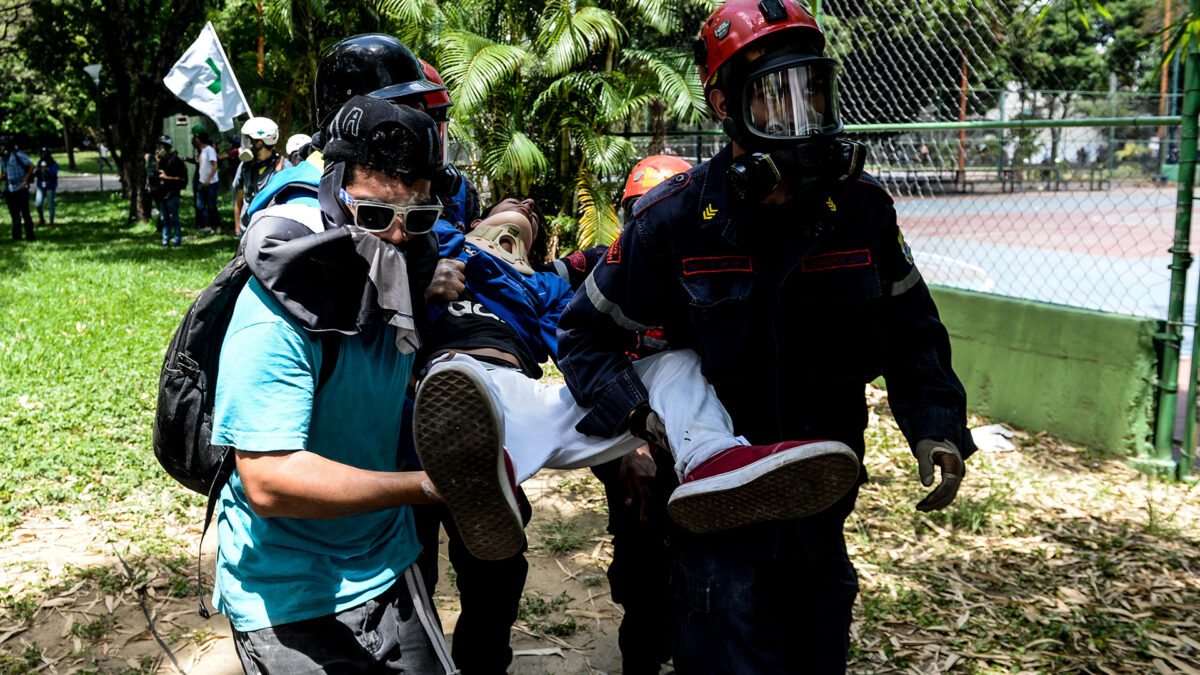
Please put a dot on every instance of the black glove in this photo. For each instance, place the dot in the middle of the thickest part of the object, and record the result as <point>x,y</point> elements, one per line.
<point>929,452</point>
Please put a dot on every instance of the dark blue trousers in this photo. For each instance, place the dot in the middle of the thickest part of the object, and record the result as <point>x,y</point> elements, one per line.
<point>773,598</point>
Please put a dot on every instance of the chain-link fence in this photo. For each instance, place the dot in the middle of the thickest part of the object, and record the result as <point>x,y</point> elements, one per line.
<point>1010,139</point>
<point>1032,147</point>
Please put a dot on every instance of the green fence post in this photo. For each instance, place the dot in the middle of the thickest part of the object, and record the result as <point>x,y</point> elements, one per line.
<point>1183,213</point>
<point>1160,460</point>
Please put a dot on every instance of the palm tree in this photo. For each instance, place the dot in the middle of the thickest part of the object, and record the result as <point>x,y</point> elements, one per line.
<point>539,86</point>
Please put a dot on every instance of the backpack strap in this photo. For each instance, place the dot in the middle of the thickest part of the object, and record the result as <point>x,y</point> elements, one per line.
<point>331,346</point>
<point>224,471</point>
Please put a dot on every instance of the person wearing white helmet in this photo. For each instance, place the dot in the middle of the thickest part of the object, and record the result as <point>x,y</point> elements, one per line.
<point>298,147</point>
<point>259,163</point>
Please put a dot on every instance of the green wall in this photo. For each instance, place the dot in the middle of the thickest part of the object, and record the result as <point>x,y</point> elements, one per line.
<point>1083,376</point>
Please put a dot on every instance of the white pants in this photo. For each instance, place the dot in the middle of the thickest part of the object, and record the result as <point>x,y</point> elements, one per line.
<point>540,419</point>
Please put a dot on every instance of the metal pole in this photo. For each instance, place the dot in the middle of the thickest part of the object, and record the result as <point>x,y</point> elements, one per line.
<point>1161,460</point>
<point>1162,102</point>
<point>953,126</point>
<point>962,133</point>
<point>1183,223</point>
<point>1000,141</point>
<point>99,133</point>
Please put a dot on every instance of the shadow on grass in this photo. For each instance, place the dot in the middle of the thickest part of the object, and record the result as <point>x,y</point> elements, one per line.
<point>96,224</point>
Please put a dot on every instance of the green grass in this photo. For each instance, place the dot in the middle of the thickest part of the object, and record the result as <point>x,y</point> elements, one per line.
<point>560,537</point>
<point>86,313</point>
<point>536,611</point>
<point>86,161</point>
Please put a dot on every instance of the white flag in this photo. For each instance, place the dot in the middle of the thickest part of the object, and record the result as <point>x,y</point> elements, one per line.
<point>203,79</point>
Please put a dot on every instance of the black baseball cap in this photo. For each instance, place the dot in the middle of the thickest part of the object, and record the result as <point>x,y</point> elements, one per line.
<point>385,136</point>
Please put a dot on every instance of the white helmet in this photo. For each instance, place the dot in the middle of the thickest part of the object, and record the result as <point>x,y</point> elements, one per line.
<point>298,141</point>
<point>261,129</point>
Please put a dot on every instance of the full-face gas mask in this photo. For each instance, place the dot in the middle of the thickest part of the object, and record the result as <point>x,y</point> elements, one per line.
<point>783,109</point>
<point>249,148</point>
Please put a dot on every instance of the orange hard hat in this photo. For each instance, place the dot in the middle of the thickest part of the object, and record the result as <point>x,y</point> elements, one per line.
<point>650,172</point>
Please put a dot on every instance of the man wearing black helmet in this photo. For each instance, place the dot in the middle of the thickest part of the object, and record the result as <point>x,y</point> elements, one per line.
<point>784,269</point>
<point>315,569</point>
<point>381,67</point>
<point>377,66</point>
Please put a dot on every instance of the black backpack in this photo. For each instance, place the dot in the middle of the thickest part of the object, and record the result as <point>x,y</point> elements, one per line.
<point>187,388</point>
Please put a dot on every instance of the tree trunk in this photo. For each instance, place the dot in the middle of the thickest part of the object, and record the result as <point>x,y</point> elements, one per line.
<point>67,142</point>
<point>133,74</point>
<point>658,127</point>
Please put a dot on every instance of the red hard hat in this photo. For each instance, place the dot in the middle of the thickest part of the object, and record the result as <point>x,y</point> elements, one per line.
<point>738,23</point>
<point>652,171</point>
<point>435,100</point>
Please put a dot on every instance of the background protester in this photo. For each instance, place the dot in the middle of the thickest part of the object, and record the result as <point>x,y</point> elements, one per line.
<point>172,176</point>
<point>18,169</point>
<point>46,176</point>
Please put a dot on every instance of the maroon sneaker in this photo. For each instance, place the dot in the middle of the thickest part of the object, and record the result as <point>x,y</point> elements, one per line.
<point>756,483</point>
<point>458,431</point>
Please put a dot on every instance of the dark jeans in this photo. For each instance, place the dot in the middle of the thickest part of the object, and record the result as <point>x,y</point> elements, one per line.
<point>489,591</point>
<point>383,635</point>
<point>206,206</point>
<point>169,217</point>
<point>772,598</point>
<point>641,567</point>
<point>18,210</point>
<point>157,198</point>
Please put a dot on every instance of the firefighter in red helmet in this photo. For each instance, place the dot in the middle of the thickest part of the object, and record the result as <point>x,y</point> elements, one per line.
<point>782,266</point>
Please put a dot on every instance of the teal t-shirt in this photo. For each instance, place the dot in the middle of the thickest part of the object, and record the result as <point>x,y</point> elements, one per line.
<point>272,571</point>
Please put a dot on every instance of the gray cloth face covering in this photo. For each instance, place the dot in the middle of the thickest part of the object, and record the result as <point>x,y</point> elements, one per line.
<point>330,275</point>
<point>388,272</point>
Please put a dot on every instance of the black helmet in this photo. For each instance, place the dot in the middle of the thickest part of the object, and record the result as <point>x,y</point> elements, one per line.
<point>372,64</point>
<point>166,140</point>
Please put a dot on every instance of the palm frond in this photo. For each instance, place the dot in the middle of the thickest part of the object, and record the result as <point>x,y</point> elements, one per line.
<point>278,14</point>
<point>408,19</point>
<point>592,87</point>
<point>514,161</point>
<point>679,85</point>
<point>662,15</point>
<point>568,37</point>
<point>475,66</point>
<point>415,11</point>
<point>603,155</point>
<point>598,221</point>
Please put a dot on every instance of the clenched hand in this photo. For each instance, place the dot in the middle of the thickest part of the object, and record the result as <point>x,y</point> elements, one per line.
<point>946,456</point>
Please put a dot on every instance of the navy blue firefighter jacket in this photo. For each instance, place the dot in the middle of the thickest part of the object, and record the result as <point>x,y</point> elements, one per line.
<point>792,311</point>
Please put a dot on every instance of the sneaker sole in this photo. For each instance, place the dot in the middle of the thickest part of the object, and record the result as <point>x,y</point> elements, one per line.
<point>459,437</point>
<point>792,484</point>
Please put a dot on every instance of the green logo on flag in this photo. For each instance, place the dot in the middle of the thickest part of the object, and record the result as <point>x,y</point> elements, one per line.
<point>215,85</point>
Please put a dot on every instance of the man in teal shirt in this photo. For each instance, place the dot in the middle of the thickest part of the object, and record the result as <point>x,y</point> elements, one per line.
<point>315,567</point>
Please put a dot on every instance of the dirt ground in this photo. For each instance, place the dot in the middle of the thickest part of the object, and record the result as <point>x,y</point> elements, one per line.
<point>1051,561</point>
<point>97,624</point>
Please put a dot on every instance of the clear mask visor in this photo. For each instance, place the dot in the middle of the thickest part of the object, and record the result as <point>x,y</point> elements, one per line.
<point>444,132</point>
<point>246,149</point>
<point>795,102</point>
